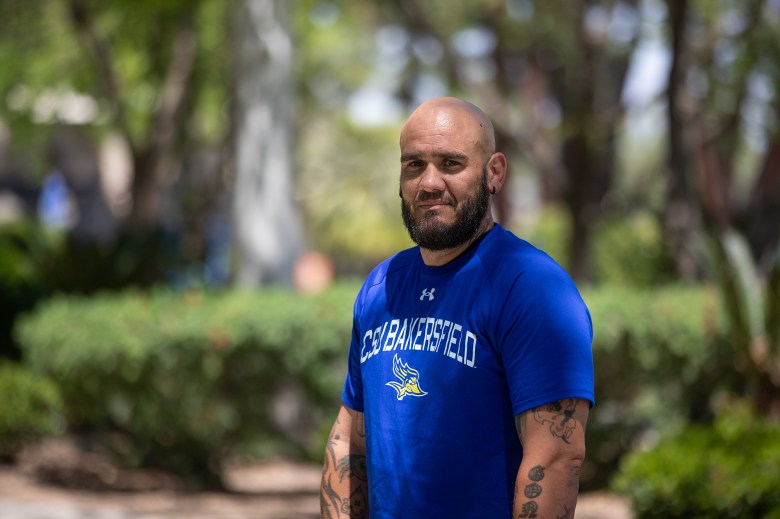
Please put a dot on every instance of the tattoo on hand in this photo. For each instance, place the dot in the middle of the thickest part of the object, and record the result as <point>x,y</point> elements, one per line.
<point>560,417</point>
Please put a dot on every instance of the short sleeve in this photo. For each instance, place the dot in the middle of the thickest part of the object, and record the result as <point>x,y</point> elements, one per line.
<point>545,335</point>
<point>352,394</point>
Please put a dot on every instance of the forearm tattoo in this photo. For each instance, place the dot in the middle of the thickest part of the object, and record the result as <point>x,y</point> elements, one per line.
<point>530,509</point>
<point>559,415</point>
<point>336,501</point>
<point>532,491</point>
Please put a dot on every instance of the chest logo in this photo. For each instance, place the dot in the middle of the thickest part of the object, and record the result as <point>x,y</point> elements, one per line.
<point>427,293</point>
<point>410,380</point>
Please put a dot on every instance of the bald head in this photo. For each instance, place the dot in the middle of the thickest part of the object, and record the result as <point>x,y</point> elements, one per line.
<point>443,114</point>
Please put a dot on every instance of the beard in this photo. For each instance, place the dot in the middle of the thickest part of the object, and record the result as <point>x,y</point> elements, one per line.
<point>432,234</point>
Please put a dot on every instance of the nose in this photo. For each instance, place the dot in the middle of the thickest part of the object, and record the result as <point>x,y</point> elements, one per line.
<point>431,179</point>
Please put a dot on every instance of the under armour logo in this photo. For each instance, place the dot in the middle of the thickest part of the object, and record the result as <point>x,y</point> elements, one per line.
<point>427,293</point>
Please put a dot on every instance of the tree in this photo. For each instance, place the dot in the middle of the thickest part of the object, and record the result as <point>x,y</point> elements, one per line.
<point>154,75</point>
<point>267,223</point>
<point>730,52</point>
<point>170,51</point>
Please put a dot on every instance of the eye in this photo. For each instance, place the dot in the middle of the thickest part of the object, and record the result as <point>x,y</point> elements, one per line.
<point>452,165</point>
<point>413,165</point>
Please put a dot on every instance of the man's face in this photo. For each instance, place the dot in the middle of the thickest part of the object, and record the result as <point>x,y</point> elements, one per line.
<point>444,186</point>
<point>432,231</point>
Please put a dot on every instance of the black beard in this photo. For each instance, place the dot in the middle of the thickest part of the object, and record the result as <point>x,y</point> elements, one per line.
<point>433,235</point>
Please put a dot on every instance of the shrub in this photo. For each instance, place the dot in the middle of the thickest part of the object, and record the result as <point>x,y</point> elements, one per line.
<point>630,250</point>
<point>188,379</point>
<point>626,250</point>
<point>22,244</point>
<point>31,409</point>
<point>659,356</point>
<point>731,469</point>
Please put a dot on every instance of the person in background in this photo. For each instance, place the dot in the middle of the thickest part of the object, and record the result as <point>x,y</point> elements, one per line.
<point>470,370</point>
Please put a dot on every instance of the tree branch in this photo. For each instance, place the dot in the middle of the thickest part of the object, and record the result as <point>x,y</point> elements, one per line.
<point>98,45</point>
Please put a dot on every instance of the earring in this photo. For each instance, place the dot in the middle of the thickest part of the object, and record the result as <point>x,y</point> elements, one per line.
<point>492,190</point>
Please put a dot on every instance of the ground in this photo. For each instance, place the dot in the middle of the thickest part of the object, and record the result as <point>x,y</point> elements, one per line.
<point>60,481</point>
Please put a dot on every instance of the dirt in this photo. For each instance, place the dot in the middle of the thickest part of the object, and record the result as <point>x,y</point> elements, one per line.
<point>60,480</point>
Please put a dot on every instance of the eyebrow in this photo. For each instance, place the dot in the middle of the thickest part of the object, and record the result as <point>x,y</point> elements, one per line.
<point>451,155</point>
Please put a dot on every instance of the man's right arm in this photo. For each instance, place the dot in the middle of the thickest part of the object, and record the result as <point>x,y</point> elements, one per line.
<point>344,488</point>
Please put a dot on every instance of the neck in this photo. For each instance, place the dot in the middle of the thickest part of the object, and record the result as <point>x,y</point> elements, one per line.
<point>437,258</point>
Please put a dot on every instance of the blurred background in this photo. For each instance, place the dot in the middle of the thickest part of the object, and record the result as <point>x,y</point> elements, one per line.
<point>192,190</point>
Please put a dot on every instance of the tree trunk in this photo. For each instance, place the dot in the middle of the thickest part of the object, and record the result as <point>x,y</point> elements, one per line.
<point>763,212</point>
<point>269,234</point>
<point>680,219</point>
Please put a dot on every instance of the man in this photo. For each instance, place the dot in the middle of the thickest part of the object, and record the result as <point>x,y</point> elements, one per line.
<point>470,371</point>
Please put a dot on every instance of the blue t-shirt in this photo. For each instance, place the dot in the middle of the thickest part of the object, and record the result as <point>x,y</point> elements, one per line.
<point>443,358</point>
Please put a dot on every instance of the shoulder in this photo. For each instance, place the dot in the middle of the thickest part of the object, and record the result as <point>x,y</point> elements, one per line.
<point>507,257</point>
<point>393,265</point>
<point>388,270</point>
<point>529,281</point>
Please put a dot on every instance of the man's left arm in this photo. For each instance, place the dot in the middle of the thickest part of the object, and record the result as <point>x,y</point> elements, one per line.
<point>553,438</point>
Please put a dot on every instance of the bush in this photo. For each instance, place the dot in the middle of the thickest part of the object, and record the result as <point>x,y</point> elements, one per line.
<point>630,250</point>
<point>32,408</point>
<point>626,250</point>
<point>659,356</point>
<point>21,285</point>
<point>731,469</point>
<point>189,379</point>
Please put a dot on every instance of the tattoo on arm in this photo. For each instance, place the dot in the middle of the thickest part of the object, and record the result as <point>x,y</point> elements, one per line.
<point>353,465</point>
<point>559,416</point>
<point>528,509</point>
<point>351,468</point>
<point>533,490</point>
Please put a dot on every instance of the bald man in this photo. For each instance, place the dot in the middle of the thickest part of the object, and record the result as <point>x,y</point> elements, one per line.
<point>470,373</point>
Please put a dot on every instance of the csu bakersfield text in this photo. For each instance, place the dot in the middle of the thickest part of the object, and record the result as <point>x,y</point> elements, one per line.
<point>430,334</point>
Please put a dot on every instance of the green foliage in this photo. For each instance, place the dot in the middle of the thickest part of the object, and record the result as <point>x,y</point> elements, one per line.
<point>50,59</point>
<point>32,408</point>
<point>626,251</point>
<point>631,251</point>
<point>659,356</point>
<point>187,379</point>
<point>341,207</point>
<point>192,378</point>
<point>753,313</point>
<point>22,249</point>
<point>731,469</point>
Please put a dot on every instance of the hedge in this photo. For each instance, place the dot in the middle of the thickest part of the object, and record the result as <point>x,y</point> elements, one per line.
<point>184,380</point>
<point>190,379</point>
<point>32,408</point>
<point>659,354</point>
<point>731,469</point>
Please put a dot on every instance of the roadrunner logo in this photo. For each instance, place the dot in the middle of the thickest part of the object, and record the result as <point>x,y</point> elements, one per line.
<point>410,380</point>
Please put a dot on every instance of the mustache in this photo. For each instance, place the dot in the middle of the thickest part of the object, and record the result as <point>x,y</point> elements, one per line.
<point>424,196</point>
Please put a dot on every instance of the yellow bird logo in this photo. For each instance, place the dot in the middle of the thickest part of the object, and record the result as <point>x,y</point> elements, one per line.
<point>410,380</point>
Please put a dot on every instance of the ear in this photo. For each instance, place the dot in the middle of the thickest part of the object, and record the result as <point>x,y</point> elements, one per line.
<point>496,171</point>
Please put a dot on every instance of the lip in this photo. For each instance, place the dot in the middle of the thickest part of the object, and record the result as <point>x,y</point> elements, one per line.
<point>433,205</point>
